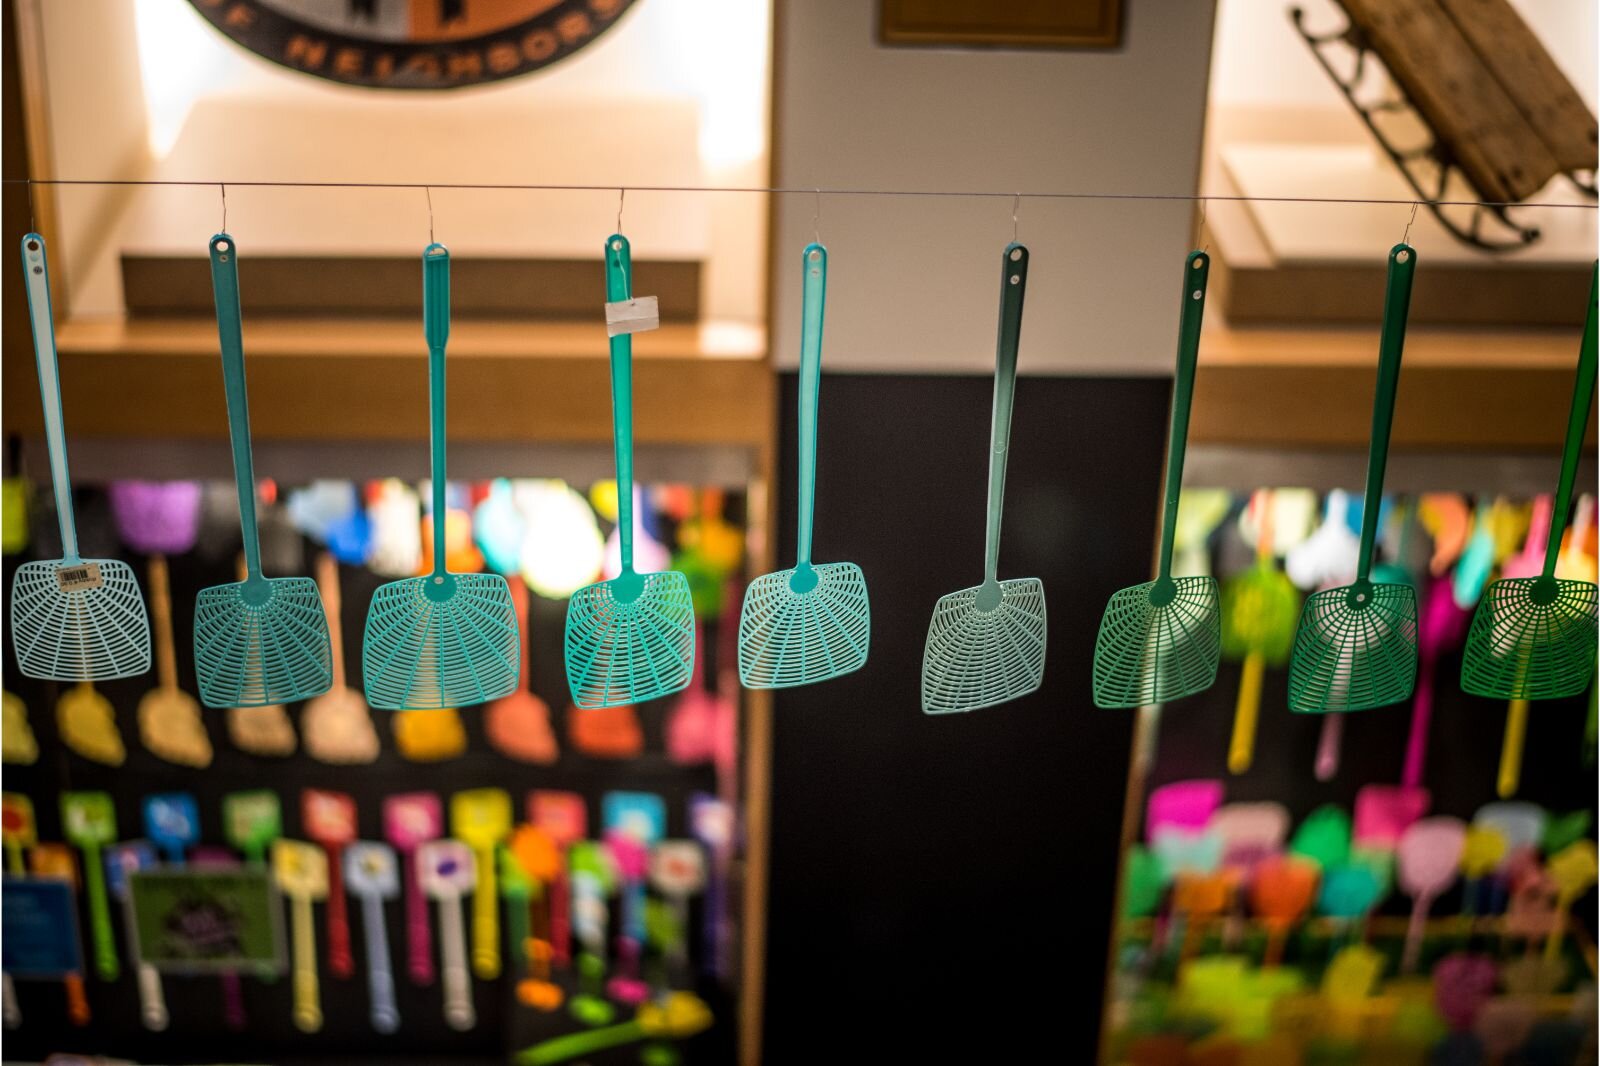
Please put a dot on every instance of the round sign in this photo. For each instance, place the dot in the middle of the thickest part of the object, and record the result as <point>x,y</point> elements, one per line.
<point>413,44</point>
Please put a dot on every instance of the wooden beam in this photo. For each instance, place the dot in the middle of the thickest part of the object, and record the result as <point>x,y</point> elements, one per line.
<point>17,376</point>
<point>371,285</point>
<point>39,160</point>
<point>1462,390</point>
<point>26,207</point>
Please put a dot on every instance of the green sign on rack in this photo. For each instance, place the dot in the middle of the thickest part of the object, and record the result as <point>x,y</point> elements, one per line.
<point>206,920</point>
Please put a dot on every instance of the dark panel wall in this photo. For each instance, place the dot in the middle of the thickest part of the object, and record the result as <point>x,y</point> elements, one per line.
<point>942,887</point>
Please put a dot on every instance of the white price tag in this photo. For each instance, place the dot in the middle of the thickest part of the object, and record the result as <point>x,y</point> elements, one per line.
<point>79,578</point>
<point>632,316</point>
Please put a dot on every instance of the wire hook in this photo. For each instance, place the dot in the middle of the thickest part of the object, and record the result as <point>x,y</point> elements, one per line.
<point>33,224</point>
<point>224,187</point>
<point>622,195</point>
<point>816,216</point>
<point>428,190</point>
<point>1405,237</point>
<point>1016,205</point>
<point>1205,210</point>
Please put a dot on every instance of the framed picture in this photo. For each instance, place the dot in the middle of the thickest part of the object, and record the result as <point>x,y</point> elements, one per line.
<point>1016,24</point>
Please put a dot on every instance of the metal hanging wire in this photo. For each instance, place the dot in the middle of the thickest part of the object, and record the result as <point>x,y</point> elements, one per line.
<point>808,191</point>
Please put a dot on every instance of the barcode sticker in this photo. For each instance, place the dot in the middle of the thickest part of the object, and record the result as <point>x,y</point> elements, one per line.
<point>632,316</point>
<point>79,578</point>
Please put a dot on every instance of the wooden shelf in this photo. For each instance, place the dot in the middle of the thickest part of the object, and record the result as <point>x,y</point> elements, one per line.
<point>364,380</point>
<point>1462,390</point>
<point>360,379</point>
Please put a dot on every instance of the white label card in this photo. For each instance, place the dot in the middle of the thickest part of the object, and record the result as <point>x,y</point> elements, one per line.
<point>632,316</point>
<point>79,578</point>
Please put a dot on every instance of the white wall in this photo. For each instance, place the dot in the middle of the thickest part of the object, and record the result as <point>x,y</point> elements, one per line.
<point>914,281</point>
<point>147,105</point>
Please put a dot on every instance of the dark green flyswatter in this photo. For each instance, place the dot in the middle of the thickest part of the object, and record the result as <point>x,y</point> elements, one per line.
<point>986,644</point>
<point>1160,641</point>
<point>1356,647</point>
<point>1533,638</point>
